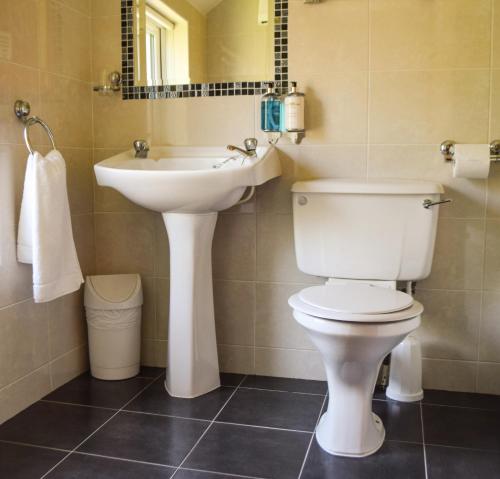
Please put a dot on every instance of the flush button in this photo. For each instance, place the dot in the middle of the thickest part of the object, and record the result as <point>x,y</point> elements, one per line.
<point>302,200</point>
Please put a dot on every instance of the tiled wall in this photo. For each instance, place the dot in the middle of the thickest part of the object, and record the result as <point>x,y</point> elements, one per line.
<point>386,82</point>
<point>46,61</point>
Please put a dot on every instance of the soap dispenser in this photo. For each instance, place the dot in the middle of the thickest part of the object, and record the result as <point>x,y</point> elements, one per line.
<point>270,110</point>
<point>294,110</point>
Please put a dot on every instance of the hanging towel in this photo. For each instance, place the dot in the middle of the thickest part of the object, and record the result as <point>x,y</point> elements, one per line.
<point>45,237</point>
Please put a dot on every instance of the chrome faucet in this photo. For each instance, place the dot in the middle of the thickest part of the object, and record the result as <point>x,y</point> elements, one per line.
<point>250,148</point>
<point>141,148</point>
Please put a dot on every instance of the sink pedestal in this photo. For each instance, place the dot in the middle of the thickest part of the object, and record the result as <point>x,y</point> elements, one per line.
<point>193,366</point>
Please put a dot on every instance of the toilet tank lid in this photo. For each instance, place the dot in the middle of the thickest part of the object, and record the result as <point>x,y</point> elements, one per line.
<point>368,186</point>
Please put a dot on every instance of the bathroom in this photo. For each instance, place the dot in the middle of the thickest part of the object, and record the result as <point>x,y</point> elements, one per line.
<point>385,83</point>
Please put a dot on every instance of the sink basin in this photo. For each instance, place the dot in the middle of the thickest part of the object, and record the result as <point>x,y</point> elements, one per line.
<point>184,180</point>
<point>189,186</point>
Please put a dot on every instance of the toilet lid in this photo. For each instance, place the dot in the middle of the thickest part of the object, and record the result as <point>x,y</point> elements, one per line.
<point>355,299</point>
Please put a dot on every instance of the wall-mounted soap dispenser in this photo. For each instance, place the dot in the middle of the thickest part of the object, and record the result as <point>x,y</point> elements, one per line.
<point>294,113</point>
<point>270,111</point>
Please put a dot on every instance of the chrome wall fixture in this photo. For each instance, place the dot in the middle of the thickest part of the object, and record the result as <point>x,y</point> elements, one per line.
<point>22,110</point>
<point>448,150</point>
<point>113,84</point>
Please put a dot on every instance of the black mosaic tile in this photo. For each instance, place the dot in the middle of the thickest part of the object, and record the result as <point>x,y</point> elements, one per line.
<point>94,392</point>
<point>458,463</point>
<point>156,399</point>
<point>247,451</point>
<point>461,427</point>
<point>393,460</point>
<point>473,400</point>
<point>273,409</point>
<point>83,466</point>
<point>54,425</point>
<point>25,462</point>
<point>285,384</point>
<point>145,437</point>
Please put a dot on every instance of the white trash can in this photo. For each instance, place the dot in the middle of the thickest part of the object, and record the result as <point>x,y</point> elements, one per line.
<point>113,309</point>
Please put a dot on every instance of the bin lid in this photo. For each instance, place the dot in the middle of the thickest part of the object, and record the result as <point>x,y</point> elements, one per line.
<point>113,291</point>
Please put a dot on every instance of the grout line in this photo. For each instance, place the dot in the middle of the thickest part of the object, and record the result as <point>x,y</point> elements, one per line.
<point>18,443</point>
<point>312,439</point>
<point>80,453</point>
<point>263,427</point>
<point>146,413</point>
<point>209,426</point>
<point>218,473</point>
<point>282,391</point>
<point>94,432</point>
<point>65,403</point>
<point>423,440</point>
<point>461,407</point>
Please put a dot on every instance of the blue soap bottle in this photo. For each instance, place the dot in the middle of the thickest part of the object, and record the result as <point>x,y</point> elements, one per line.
<point>270,110</point>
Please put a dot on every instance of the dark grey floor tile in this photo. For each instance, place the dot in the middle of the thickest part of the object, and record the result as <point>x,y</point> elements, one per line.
<point>458,463</point>
<point>250,451</point>
<point>402,421</point>
<point>150,372</point>
<point>230,379</point>
<point>379,393</point>
<point>82,466</point>
<point>462,427</point>
<point>156,399</point>
<point>25,462</point>
<point>273,409</point>
<point>190,474</point>
<point>145,437</point>
<point>54,425</point>
<point>286,384</point>
<point>452,398</point>
<point>393,460</point>
<point>94,392</point>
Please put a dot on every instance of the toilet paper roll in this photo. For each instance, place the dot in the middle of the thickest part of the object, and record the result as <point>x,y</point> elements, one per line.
<point>471,161</point>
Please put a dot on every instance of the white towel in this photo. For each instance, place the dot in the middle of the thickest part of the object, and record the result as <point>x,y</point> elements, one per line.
<point>45,237</point>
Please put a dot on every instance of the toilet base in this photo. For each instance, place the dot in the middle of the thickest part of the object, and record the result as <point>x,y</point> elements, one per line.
<point>328,440</point>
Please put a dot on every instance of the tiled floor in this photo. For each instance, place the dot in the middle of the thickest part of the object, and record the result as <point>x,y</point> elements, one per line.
<point>252,427</point>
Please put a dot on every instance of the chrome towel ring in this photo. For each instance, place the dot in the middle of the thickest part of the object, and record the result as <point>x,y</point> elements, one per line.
<point>22,110</point>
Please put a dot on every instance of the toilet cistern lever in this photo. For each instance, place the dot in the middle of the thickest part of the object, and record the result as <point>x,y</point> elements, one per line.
<point>428,203</point>
<point>141,148</point>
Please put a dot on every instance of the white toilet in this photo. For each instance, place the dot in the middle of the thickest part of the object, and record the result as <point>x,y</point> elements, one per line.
<point>364,235</point>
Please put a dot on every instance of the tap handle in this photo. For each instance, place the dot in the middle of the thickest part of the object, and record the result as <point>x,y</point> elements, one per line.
<point>140,146</point>
<point>250,144</point>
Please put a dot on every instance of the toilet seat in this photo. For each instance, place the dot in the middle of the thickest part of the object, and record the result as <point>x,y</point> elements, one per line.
<point>360,303</point>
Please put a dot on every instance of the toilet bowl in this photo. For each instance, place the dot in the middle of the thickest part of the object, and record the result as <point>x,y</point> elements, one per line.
<point>353,326</point>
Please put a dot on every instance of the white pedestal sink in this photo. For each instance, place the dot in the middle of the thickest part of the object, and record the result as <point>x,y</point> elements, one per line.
<point>182,184</point>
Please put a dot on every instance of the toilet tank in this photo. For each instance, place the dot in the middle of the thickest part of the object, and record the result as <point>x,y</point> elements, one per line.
<point>365,229</point>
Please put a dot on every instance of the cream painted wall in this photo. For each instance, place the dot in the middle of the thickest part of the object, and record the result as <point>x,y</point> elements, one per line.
<point>48,64</point>
<point>386,82</point>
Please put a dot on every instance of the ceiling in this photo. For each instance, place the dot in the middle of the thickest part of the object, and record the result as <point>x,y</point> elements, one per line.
<point>204,6</point>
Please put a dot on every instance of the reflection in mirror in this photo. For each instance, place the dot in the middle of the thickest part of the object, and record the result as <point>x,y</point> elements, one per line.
<point>203,41</point>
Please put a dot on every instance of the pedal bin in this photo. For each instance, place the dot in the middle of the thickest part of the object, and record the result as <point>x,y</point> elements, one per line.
<point>113,310</point>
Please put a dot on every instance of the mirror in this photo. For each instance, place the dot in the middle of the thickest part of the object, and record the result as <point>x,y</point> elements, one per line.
<point>180,42</point>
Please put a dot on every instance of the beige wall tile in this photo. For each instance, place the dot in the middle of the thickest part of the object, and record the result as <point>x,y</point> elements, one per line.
<point>148,353</point>
<point>275,251</point>
<point>336,107</point>
<point>24,392</point>
<point>84,236</point>
<point>83,6</point>
<point>162,307</point>
<point>291,363</point>
<point>496,34</point>
<point>234,247</point>
<point>67,326</point>
<point>417,34</point>
<point>458,255</point>
<point>68,366</point>
<point>488,378</point>
<point>449,375</point>
<point>79,174</point>
<point>64,40</point>
<point>162,248</point>
<point>148,323</point>
<point>106,47</point>
<point>234,305</point>
<point>274,323</point>
<point>67,109</point>
<point>426,162</point>
<point>437,105</point>
<point>108,7</point>
<point>492,256</point>
<point>236,359</point>
<point>329,37</point>
<point>20,23</point>
<point>495,98</point>
<point>489,349</point>
<point>450,324</point>
<point>24,337</point>
<point>125,243</point>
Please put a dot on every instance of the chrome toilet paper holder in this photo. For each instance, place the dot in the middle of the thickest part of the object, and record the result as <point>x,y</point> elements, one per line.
<point>448,150</point>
